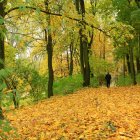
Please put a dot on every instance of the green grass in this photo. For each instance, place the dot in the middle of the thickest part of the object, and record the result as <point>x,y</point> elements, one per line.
<point>138,79</point>
<point>94,81</point>
<point>124,81</point>
<point>127,80</point>
<point>67,85</point>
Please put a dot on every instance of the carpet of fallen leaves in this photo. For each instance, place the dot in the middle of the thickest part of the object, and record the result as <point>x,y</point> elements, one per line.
<point>88,114</point>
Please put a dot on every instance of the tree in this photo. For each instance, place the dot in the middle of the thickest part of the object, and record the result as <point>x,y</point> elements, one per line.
<point>49,48</point>
<point>84,48</point>
<point>2,35</point>
<point>125,9</point>
<point>135,19</point>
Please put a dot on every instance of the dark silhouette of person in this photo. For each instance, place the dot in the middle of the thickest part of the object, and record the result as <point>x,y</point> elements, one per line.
<point>108,79</point>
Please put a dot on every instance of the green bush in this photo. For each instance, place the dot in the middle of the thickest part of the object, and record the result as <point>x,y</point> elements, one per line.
<point>66,85</point>
<point>94,81</point>
<point>138,78</point>
<point>127,80</point>
<point>124,81</point>
<point>31,77</point>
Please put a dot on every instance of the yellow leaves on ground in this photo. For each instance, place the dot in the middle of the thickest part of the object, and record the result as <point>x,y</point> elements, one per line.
<point>89,114</point>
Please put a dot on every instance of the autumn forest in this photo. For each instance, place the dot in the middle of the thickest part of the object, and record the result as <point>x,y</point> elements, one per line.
<point>69,69</point>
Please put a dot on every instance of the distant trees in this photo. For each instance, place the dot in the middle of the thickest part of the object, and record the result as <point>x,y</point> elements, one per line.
<point>128,14</point>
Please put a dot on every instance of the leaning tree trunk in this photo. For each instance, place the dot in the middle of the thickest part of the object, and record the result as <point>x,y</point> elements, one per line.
<point>2,15</point>
<point>49,48</point>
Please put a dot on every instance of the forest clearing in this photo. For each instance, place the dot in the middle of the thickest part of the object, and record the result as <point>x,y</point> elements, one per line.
<point>88,114</point>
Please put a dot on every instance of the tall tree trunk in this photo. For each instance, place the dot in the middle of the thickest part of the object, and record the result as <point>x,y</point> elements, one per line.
<point>50,68</point>
<point>138,64</point>
<point>15,99</point>
<point>128,63</point>
<point>2,57</point>
<point>61,69</point>
<point>84,59</point>
<point>68,63</point>
<point>71,60</point>
<point>124,66</point>
<point>81,53</point>
<point>104,43</point>
<point>138,56</point>
<point>133,74</point>
<point>86,63</point>
<point>84,48</point>
<point>49,48</point>
<point>77,58</point>
<point>2,15</point>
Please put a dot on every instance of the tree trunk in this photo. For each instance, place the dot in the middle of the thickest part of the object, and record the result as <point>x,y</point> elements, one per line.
<point>133,74</point>
<point>1,114</point>
<point>138,56</point>
<point>128,63</point>
<point>15,99</point>
<point>81,53</point>
<point>2,56</point>
<point>84,48</point>
<point>49,48</point>
<point>124,67</point>
<point>77,58</point>
<point>71,60</point>
<point>61,69</point>
<point>1,51</point>
<point>104,47</point>
<point>68,63</point>
<point>86,63</point>
<point>84,59</point>
<point>50,68</point>
<point>138,64</point>
<point>2,15</point>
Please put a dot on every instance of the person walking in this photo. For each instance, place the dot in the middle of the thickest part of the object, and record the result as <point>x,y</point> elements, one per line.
<point>108,79</point>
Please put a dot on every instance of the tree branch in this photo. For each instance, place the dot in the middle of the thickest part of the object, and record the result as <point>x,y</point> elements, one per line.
<point>33,8</point>
<point>60,15</point>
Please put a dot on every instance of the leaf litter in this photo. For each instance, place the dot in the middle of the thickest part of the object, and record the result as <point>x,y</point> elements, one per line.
<point>88,114</point>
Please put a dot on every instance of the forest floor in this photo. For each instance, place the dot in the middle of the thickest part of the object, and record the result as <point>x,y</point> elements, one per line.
<point>88,114</point>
